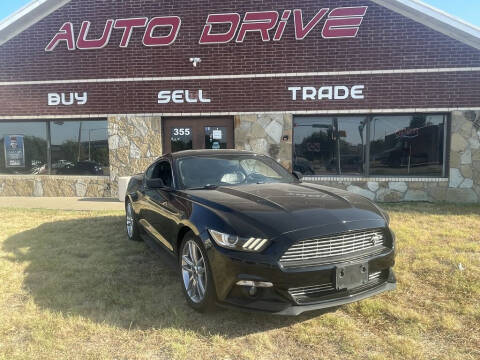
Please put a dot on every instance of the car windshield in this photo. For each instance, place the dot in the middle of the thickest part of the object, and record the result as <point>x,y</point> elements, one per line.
<point>203,171</point>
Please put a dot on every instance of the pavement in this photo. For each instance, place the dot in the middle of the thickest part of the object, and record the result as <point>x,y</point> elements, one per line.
<point>61,203</point>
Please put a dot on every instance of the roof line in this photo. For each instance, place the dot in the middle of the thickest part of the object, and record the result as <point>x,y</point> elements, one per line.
<point>436,19</point>
<point>417,10</point>
<point>27,16</point>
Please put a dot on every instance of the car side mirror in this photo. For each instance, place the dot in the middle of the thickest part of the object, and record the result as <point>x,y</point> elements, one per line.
<point>298,175</point>
<point>155,183</point>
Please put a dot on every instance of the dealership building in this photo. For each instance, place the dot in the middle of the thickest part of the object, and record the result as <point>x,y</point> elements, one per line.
<point>379,97</point>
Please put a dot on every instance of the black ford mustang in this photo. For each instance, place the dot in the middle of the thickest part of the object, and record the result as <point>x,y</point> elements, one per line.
<point>246,232</point>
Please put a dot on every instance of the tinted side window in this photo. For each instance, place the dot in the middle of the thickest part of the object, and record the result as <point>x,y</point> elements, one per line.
<point>149,171</point>
<point>163,171</point>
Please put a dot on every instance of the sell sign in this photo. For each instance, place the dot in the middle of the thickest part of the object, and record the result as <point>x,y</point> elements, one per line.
<point>14,151</point>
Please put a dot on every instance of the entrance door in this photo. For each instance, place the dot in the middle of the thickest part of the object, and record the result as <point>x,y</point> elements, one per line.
<point>197,133</point>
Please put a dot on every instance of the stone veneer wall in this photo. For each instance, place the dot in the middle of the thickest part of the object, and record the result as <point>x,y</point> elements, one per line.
<point>463,185</point>
<point>266,134</point>
<point>134,143</point>
<point>45,185</point>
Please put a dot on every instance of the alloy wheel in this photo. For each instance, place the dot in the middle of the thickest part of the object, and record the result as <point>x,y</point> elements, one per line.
<point>194,271</point>
<point>129,220</point>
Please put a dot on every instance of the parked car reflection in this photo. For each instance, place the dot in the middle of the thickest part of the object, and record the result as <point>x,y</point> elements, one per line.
<point>81,168</point>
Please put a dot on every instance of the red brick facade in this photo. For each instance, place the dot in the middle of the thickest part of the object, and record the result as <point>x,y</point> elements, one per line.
<point>386,40</point>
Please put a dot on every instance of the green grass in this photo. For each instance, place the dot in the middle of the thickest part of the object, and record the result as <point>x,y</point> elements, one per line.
<point>73,287</point>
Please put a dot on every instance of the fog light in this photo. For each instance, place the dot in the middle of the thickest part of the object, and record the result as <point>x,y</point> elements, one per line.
<point>262,284</point>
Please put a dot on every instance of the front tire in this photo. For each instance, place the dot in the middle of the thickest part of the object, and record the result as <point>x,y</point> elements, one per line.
<point>195,274</point>
<point>133,232</point>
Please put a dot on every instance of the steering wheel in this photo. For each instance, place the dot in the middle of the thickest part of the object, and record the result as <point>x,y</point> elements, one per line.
<point>255,178</point>
<point>227,179</point>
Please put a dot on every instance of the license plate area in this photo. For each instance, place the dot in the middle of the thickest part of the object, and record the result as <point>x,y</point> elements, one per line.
<point>351,276</point>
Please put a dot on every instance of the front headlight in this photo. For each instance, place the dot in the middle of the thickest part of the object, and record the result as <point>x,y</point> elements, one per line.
<point>238,243</point>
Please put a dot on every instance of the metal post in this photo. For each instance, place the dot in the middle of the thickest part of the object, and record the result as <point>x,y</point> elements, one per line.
<point>89,136</point>
<point>79,139</point>
<point>49,149</point>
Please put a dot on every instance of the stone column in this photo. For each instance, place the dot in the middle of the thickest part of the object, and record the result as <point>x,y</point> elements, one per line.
<point>464,184</point>
<point>269,134</point>
<point>134,143</point>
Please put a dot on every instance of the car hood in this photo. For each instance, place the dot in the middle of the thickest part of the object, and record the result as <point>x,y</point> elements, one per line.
<point>279,208</point>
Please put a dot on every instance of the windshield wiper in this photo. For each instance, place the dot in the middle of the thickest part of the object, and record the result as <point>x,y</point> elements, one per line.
<point>206,187</point>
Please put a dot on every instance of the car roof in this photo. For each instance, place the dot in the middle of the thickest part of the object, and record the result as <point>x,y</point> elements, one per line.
<point>203,152</point>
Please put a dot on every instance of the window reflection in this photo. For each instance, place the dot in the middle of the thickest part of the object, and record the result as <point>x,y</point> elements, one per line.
<point>329,145</point>
<point>407,145</point>
<point>23,148</point>
<point>400,145</point>
<point>76,147</point>
<point>79,147</point>
<point>215,138</point>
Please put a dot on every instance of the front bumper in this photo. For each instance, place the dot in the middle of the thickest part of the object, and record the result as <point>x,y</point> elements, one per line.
<point>298,309</point>
<point>282,298</point>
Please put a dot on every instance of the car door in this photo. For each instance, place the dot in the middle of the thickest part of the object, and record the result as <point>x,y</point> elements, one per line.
<point>162,215</point>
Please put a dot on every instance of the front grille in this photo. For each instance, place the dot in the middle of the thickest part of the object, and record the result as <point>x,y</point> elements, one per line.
<point>332,246</point>
<point>315,293</point>
<point>311,290</point>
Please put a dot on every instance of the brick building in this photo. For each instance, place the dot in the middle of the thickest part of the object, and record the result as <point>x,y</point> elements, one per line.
<point>380,97</point>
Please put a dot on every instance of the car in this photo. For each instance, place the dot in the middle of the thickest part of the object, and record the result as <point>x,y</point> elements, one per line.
<point>81,168</point>
<point>245,232</point>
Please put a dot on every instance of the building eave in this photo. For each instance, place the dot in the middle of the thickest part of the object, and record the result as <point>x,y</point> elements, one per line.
<point>435,19</point>
<point>27,16</point>
<point>417,10</point>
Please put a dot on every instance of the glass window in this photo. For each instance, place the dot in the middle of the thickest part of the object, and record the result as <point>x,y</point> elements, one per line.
<point>352,137</point>
<point>163,171</point>
<point>255,167</point>
<point>23,148</point>
<point>314,146</point>
<point>400,145</point>
<point>215,138</point>
<point>79,147</point>
<point>407,145</point>
<point>229,170</point>
<point>329,145</point>
<point>181,139</point>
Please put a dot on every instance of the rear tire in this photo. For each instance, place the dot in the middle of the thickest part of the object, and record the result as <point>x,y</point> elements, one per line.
<point>196,275</point>
<point>133,231</point>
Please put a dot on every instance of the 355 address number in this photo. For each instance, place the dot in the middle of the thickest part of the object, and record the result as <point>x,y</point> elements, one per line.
<point>181,131</point>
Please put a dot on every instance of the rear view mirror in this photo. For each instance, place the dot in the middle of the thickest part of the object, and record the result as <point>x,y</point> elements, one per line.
<point>298,175</point>
<point>155,183</point>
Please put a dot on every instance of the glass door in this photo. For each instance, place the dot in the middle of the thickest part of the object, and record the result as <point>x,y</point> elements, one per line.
<point>215,137</point>
<point>197,133</point>
<point>181,138</point>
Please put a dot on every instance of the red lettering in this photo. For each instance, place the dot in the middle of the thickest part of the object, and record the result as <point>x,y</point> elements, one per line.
<point>173,22</point>
<point>84,44</point>
<point>281,25</point>
<point>348,11</point>
<point>344,22</point>
<point>208,38</point>
<point>262,21</point>
<point>302,32</point>
<point>128,25</point>
<point>64,34</point>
